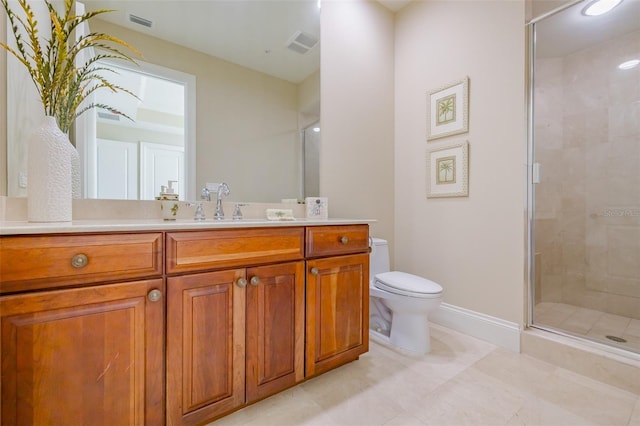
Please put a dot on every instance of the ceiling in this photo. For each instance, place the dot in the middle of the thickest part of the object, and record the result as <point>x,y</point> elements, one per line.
<point>394,5</point>
<point>570,31</point>
<point>251,33</point>
<point>255,33</point>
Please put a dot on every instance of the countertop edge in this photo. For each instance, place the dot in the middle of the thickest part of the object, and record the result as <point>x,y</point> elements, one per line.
<point>144,225</point>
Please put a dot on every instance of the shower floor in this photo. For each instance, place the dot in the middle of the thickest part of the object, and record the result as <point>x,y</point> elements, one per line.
<point>589,323</point>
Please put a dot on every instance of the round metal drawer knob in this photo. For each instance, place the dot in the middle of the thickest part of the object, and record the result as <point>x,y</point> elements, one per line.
<point>154,295</point>
<point>79,261</point>
<point>344,240</point>
<point>314,271</point>
<point>242,282</point>
<point>255,281</point>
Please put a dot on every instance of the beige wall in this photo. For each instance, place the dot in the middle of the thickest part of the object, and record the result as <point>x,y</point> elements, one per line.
<point>309,100</point>
<point>473,246</point>
<point>356,160</point>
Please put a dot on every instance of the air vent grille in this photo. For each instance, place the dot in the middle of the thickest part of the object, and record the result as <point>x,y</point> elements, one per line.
<point>140,21</point>
<point>108,116</point>
<point>302,42</point>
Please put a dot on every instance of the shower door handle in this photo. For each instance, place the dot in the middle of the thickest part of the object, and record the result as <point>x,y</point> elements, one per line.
<point>536,176</point>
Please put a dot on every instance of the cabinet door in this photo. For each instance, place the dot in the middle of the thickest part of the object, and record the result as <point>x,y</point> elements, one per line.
<point>205,345</point>
<point>275,328</point>
<point>90,356</point>
<point>337,308</point>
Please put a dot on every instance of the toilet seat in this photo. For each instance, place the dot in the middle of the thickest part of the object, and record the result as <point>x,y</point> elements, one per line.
<point>407,285</point>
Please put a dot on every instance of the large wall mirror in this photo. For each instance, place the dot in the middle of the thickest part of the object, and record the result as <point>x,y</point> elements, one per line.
<point>251,70</point>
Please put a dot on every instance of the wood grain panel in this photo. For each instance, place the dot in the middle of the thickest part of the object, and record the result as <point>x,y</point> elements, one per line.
<point>337,303</point>
<point>41,262</point>
<point>275,329</point>
<point>227,248</point>
<point>82,356</point>
<point>205,346</point>
<point>336,240</point>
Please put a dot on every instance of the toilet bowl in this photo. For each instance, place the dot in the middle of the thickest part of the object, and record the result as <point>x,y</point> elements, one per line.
<point>399,303</point>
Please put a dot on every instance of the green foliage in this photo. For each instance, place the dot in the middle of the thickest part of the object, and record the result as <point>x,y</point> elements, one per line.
<point>62,84</point>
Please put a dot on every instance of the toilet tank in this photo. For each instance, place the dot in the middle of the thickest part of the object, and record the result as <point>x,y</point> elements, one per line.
<point>379,257</point>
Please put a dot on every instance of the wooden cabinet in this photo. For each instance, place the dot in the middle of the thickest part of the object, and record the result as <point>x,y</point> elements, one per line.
<point>86,339</point>
<point>337,297</point>
<point>90,356</point>
<point>205,345</point>
<point>53,261</point>
<point>93,354</point>
<point>234,335</point>
<point>275,328</point>
<point>229,248</point>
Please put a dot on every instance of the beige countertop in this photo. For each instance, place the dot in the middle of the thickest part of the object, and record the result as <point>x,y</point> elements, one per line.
<point>102,225</point>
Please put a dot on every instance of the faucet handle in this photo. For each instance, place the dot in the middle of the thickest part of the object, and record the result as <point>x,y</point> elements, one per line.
<point>199,214</point>
<point>237,213</point>
<point>205,194</point>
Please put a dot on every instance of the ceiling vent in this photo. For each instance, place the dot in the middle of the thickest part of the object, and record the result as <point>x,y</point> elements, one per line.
<point>301,42</point>
<point>140,21</point>
<point>108,116</point>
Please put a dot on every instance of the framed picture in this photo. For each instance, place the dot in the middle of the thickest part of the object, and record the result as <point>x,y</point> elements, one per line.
<point>317,207</point>
<point>448,170</point>
<point>448,110</point>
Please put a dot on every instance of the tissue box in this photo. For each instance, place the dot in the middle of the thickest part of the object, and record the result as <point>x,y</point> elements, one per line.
<point>317,207</point>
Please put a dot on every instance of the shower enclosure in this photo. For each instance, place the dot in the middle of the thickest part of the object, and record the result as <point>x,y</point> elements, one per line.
<point>584,148</point>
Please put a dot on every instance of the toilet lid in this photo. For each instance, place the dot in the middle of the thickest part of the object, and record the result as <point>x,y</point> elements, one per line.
<point>406,284</point>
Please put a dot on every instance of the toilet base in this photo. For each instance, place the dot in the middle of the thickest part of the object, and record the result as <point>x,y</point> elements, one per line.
<point>411,332</point>
<point>412,336</point>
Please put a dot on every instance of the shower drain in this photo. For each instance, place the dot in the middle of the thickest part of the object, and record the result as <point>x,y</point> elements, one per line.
<point>616,339</point>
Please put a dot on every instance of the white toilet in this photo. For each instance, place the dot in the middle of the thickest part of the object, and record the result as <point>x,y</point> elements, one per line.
<point>400,303</point>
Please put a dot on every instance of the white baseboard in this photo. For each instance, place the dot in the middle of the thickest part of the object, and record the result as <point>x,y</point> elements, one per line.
<point>494,330</point>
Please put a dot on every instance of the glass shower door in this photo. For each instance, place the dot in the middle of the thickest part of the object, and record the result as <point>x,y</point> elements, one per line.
<point>586,206</point>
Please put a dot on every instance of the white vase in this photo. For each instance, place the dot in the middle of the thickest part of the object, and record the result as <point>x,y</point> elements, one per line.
<point>49,196</point>
<point>76,189</point>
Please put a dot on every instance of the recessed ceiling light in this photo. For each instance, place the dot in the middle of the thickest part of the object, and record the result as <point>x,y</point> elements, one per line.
<point>316,129</point>
<point>629,64</point>
<point>600,7</point>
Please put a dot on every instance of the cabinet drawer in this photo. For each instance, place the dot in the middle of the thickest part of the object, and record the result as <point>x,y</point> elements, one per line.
<point>334,240</point>
<point>36,262</point>
<point>224,248</point>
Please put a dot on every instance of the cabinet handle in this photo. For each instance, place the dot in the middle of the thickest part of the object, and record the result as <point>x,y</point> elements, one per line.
<point>344,240</point>
<point>242,282</point>
<point>79,261</point>
<point>255,281</point>
<point>314,271</point>
<point>154,295</point>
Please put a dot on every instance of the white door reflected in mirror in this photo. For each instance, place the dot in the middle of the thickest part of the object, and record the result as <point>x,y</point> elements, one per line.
<point>131,158</point>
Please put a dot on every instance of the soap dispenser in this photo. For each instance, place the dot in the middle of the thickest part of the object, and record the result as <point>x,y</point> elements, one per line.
<point>169,201</point>
<point>168,192</point>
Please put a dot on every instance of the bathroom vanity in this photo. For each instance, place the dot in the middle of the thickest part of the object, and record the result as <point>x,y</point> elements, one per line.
<point>174,323</point>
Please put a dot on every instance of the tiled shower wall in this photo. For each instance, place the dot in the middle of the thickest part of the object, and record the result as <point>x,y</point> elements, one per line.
<point>587,207</point>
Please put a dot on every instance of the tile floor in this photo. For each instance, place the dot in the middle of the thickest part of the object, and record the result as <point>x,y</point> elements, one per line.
<point>590,323</point>
<point>463,381</point>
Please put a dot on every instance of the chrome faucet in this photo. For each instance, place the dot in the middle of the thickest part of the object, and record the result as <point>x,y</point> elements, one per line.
<point>205,194</point>
<point>223,189</point>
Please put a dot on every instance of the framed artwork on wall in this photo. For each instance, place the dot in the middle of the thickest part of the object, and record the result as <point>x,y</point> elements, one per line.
<point>448,110</point>
<point>448,170</point>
